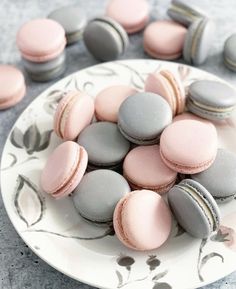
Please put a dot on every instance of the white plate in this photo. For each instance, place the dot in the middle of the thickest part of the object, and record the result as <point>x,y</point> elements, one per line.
<point>93,255</point>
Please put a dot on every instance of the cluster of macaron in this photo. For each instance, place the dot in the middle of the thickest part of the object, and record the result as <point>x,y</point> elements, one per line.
<point>127,149</point>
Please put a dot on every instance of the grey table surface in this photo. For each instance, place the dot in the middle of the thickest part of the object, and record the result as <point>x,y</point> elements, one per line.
<point>20,268</point>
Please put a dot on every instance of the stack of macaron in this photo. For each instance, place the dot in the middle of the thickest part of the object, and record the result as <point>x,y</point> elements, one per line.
<point>126,149</point>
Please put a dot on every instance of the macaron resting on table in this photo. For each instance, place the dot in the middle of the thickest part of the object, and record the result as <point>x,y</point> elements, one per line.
<point>12,86</point>
<point>42,41</point>
<point>212,100</point>
<point>73,19</point>
<point>105,38</point>
<point>230,52</point>
<point>194,208</point>
<point>133,15</point>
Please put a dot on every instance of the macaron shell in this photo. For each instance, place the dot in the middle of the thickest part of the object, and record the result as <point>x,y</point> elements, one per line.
<point>41,40</point>
<point>229,52</point>
<point>190,116</point>
<point>132,15</point>
<point>147,210</point>
<point>109,100</point>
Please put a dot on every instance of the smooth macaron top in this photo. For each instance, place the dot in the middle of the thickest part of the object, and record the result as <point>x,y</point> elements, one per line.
<point>12,85</point>
<point>132,15</point>
<point>189,144</point>
<point>144,167</point>
<point>104,143</point>
<point>194,208</point>
<point>164,39</point>
<point>212,93</point>
<point>230,50</point>
<point>41,40</point>
<point>143,116</point>
<point>219,179</point>
<point>142,220</point>
<point>108,101</point>
<point>64,169</point>
<point>98,193</point>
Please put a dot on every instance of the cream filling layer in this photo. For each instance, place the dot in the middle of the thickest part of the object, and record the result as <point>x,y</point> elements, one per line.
<point>212,109</point>
<point>185,12</point>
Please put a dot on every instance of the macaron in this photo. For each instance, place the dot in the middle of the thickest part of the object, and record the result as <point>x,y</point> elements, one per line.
<point>230,52</point>
<point>105,145</point>
<point>109,100</point>
<point>74,112</point>
<point>64,169</point>
<point>167,84</point>
<point>73,19</point>
<point>185,13</point>
<point>144,168</point>
<point>132,15</point>
<point>97,194</point>
<point>142,220</point>
<point>219,179</point>
<point>164,39</point>
<point>12,86</point>
<point>143,116</point>
<point>190,116</point>
<point>198,41</point>
<point>210,99</point>
<point>194,208</point>
<point>105,38</point>
<point>189,146</point>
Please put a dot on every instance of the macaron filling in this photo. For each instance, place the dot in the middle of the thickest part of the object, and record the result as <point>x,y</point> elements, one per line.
<point>211,109</point>
<point>196,36</point>
<point>185,11</point>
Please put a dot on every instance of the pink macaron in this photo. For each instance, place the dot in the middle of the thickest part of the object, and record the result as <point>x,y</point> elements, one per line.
<point>64,169</point>
<point>190,116</point>
<point>74,112</point>
<point>144,168</point>
<point>41,40</point>
<point>164,39</point>
<point>109,100</point>
<point>12,86</point>
<point>167,84</point>
<point>189,146</point>
<point>133,15</point>
<point>142,220</point>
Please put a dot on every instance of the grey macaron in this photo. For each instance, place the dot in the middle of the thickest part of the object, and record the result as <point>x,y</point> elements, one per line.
<point>143,116</point>
<point>230,52</point>
<point>184,13</point>
<point>45,71</point>
<point>220,178</point>
<point>105,38</point>
<point>73,19</point>
<point>210,99</point>
<point>98,193</point>
<point>194,208</point>
<point>105,145</point>
<point>198,41</point>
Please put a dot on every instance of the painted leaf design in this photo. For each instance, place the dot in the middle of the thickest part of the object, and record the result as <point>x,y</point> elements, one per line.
<point>162,285</point>
<point>88,86</point>
<point>220,236</point>
<point>31,139</point>
<point>53,93</point>
<point>209,256</point>
<point>16,138</point>
<point>183,71</point>
<point>44,140</point>
<point>159,275</point>
<point>101,71</point>
<point>69,82</point>
<point>13,161</point>
<point>120,278</point>
<point>137,80</point>
<point>28,201</point>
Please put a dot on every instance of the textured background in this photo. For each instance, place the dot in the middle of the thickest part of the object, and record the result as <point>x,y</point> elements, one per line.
<point>19,267</point>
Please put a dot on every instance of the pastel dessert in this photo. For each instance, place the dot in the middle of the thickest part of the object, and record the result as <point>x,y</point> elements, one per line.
<point>168,42</point>
<point>198,41</point>
<point>167,84</point>
<point>12,86</point>
<point>132,15</point>
<point>73,19</point>
<point>143,231</point>
<point>144,168</point>
<point>64,169</point>
<point>105,38</point>
<point>230,52</point>
<point>212,100</point>
<point>74,112</point>
<point>219,178</point>
<point>109,100</point>
<point>41,41</point>
<point>189,146</point>
<point>143,116</point>
<point>190,116</point>
<point>185,13</point>
<point>194,208</point>
<point>105,145</point>
<point>96,196</point>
